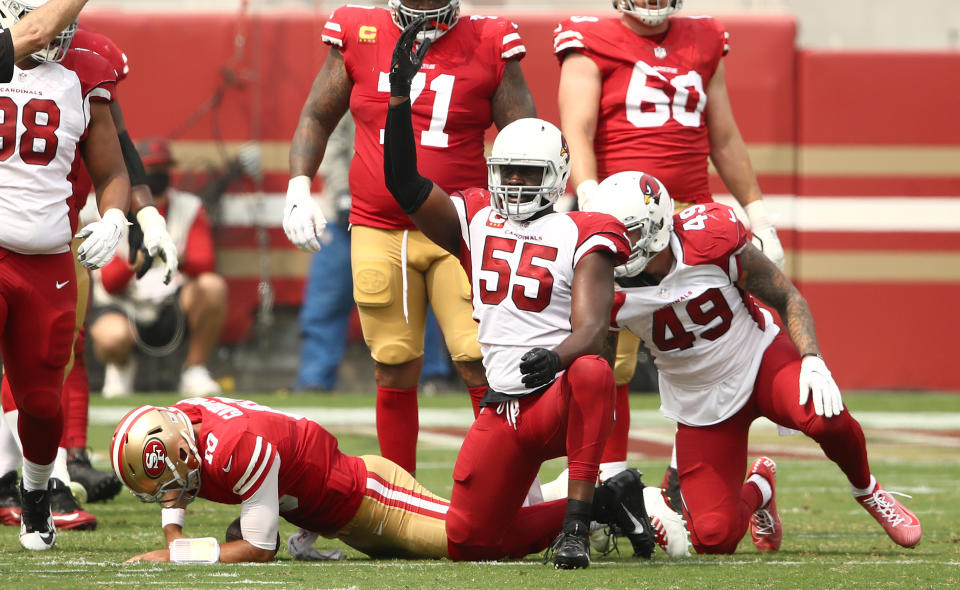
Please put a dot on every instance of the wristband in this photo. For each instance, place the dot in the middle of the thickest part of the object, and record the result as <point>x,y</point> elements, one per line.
<point>297,188</point>
<point>816,354</point>
<point>201,550</point>
<point>757,213</point>
<point>175,516</point>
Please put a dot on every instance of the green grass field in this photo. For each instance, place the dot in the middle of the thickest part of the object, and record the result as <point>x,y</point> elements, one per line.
<point>829,541</point>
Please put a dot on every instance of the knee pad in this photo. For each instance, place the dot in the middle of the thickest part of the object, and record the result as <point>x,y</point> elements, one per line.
<point>42,404</point>
<point>714,533</point>
<point>590,371</point>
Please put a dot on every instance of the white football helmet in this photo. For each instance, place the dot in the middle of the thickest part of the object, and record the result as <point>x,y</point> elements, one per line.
<point>643,204</point>
<point>154,454</point>
<point>439,20</point>
<point>528,142</point>
<point>11,11</point>
<point>642,11</point>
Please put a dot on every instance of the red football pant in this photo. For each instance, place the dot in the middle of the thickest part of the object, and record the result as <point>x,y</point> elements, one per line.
<point>497,463</point>
<point>38,298</point>
<point>712,460</point>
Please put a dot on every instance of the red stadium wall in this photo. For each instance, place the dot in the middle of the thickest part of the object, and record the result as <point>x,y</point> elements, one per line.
<point>831,135</point>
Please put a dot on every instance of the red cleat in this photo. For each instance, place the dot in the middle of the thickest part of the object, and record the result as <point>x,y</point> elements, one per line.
<point>67,514</point>
<point>766,529</point>
<point>901,524</point>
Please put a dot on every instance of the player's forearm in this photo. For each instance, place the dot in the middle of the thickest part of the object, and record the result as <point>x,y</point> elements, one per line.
<point>171,532</point>
<point>308,146</point>
<point>732,161</point>
<point>114,194</point>
<point>35,30</point>
<point>241,551</point>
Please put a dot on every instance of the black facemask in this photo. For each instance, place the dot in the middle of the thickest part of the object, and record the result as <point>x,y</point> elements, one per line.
<point>158,182</point>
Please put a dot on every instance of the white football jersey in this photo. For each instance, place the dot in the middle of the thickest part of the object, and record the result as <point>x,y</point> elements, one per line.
<point>521,275</point>
<point>45,113</point>
<point>706,335</point>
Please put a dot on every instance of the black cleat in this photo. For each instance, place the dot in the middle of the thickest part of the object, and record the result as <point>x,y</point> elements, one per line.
<point>37,532</point>
<point>9,499</point>
<point>622,508</point>
<point>571,548</point>
<point>67,514</point>
<point>100,485</point>
<point>671,490</point>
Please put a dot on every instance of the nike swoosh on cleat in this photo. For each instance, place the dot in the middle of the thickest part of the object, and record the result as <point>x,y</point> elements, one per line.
<point>637,527</point>
<point>67,517</point>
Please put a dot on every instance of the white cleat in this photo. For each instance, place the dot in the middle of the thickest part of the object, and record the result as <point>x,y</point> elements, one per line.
<point>669,527</point>
<point>197,382</point>
<point>302,549</point>
<point>37,532</point>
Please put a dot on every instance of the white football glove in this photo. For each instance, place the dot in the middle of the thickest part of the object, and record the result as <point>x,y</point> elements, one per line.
<point>102,239</point>
<point>157,241</point>
<point>585,191</point>
<point>764,234</point>
<point>816,379</point>
<point>303,221</point>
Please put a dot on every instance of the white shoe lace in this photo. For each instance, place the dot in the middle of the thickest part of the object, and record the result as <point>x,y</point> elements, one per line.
<point>764,523</point>
<point>884,506</point>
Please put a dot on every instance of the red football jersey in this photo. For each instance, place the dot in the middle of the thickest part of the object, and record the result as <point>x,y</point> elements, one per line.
<point>320,488</point>
<point>450,102</point>
<point>652,97</point>
<point>88,41</point>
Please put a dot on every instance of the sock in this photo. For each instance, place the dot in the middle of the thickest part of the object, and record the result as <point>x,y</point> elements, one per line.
<point>60,466</point>
<point>476,394</point>
<point>857,492</point>
<point>35,476</point>
<point>398,424</point>
<point>766,492</point>
<point>608,470</point>
<point>555,489</point>
<point>578,511</point>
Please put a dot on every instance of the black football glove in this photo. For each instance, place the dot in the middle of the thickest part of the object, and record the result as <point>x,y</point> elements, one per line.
<point>135,243</point>
<point>539,367</point>
<point>406,62</point>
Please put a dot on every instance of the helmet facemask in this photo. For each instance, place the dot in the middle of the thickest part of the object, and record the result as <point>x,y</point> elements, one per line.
<point>439,20</point>
<point>651,17</point>
<point>11,11</point>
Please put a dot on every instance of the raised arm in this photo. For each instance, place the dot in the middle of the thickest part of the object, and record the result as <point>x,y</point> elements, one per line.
<point>38,27</point>
<point>427,204</point>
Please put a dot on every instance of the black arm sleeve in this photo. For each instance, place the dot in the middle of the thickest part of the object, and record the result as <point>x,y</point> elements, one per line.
<point>7,56</point>
<point>400,161</point>
<point>132,159</point>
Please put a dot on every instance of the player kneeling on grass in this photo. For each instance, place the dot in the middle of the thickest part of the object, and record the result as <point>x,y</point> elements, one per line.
<point>273,464</point>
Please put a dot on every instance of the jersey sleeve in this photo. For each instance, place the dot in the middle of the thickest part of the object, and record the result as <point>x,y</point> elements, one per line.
<point>252,458</point>
<point>599,232</point>
<point>506,35</point>
<point>569,35</point>
<point>98,80</point>
<point>7,56</point>
<point>336,28</point>
<point>710,234</point>
<point>468,203</point>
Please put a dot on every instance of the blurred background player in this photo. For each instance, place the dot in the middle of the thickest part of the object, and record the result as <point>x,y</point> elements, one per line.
<point>688,292</point>
<point>39,292</point>
<point>154,315</point>
<point>396,269</point>
<point>645,90</point>
<point>41,23</point>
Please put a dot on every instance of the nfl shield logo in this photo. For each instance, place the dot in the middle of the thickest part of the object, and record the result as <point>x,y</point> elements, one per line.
<point>660,52</point>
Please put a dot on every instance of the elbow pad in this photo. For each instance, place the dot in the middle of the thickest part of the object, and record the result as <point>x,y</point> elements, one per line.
<point>400,173</point>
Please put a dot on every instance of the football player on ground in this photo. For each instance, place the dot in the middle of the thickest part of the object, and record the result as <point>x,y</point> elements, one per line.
<point>542,294</point>
<point>473,79</point>
<point>61,110</point>
<point>34,25</point>
<point>688,292</point>
<point>272,464</point>
<point>645,90</point>
<point>73,463</point>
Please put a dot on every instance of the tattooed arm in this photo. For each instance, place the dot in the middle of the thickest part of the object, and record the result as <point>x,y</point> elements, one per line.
<point>328,100</point>
<point>762,279</point>
<point>512,100</point>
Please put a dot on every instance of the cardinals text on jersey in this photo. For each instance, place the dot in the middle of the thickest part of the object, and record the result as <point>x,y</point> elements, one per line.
<point>707,336</point>
<point>450,100</point>
<point>522,274</point>
<point>46,111</point>
<point>652,97</point>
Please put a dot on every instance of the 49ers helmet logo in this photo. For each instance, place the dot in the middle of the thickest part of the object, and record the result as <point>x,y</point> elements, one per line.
<point>154,458</point>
